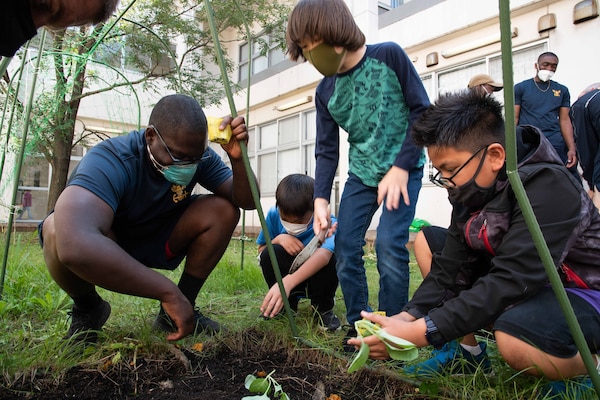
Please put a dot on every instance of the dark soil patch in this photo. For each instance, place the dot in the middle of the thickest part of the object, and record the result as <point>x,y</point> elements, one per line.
<point>303,373</point>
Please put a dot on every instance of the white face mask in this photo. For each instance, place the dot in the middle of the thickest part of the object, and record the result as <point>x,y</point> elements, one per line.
<point>545,75</point>
<point>294,229</point>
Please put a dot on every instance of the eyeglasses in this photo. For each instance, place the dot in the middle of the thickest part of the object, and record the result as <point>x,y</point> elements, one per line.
<point>177,161</point>
<point>448,183</point>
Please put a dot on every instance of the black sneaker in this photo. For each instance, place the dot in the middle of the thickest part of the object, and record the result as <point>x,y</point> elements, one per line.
<point>350,334</point>
<point>327,321</point>
<point>202,323</point>
<point>85,324</point>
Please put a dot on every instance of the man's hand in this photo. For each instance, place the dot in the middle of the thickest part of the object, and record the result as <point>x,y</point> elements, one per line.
<point>181,313</point>
<point>239,134</point>
<point>571,158</point>
<point>393,187</point>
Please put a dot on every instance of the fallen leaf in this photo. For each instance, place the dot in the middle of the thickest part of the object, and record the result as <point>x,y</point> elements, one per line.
<point>198,347</point>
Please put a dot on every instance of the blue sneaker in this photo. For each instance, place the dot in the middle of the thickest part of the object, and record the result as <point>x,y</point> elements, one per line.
<point>579,388</point>
<point>452,358</point>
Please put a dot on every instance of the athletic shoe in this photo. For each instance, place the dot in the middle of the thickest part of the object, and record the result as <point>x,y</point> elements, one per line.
<point>452,358</point>
<point>350,334</point>
<point>85,324</point>
<point>327,321</point>
<point>579,388</point>
<point>202,323</point>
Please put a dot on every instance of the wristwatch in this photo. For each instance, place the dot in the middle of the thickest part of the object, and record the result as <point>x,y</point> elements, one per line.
<point>432,334</point>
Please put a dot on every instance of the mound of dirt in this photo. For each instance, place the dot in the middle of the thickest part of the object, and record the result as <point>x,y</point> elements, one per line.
<point>218,373</point>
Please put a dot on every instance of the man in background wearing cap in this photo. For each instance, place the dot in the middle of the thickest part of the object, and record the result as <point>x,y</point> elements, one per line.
<point>484,84</point>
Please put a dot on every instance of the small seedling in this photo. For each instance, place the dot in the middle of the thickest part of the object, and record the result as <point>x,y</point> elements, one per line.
<point>398,349</point>
<point>266,385</point>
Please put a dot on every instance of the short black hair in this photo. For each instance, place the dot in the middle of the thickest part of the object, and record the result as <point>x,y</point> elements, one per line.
<point>294,195</point>
<point>547,54</point>
<point>178,113</point>
<point>464,120</point>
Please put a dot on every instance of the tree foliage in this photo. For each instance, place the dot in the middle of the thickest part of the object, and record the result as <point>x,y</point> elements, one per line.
<point>155,46</point>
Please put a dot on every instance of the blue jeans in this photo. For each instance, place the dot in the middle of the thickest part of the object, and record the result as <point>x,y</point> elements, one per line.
<point>357,207</point>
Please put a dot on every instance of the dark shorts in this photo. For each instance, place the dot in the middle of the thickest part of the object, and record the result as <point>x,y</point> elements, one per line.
<point>149,250</point>
<point>435,236</point>
<point>540,322</point>
<point>152,251</point>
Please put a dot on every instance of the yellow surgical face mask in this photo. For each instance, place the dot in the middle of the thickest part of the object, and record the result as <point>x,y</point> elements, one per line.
<point>325,59</point>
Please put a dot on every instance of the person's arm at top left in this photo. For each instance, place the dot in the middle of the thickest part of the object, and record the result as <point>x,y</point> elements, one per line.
<point>394,184</point>
<point>237,188</point>
<point>566,129</point>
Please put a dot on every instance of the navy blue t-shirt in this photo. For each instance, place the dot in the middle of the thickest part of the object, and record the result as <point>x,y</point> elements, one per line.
<point>540,106</point>
<point>119,171</point>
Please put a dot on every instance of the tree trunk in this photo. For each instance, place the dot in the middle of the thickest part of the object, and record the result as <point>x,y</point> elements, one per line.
<point>66,114</point>
<point>60,167</point>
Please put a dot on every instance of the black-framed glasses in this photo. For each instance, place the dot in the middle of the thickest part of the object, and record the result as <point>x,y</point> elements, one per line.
<point>177,161</point>
<point>448,183</point>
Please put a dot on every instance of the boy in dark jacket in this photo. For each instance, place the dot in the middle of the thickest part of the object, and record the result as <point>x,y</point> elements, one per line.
<point>489,271</point>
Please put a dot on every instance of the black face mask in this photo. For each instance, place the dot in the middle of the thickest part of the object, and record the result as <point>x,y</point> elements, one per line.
<point>470,194</point>
<point>16,26</point>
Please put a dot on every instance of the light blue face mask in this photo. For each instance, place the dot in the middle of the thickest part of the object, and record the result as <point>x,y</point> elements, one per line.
<point>177,174</point>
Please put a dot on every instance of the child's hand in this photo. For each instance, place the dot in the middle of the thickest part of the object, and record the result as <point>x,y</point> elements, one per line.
<point>321,215</point>
<point>273,302</point>
<point>290,243</point>
<point>393,187</point>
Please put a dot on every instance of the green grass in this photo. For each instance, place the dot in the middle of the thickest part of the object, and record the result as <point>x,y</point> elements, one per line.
<point>33,316</point>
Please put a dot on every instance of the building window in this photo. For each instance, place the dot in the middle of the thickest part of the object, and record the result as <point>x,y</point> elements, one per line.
<point>284,147</point>
<point>386,5</point>
<point>123,56</point>
<point>265,54</point>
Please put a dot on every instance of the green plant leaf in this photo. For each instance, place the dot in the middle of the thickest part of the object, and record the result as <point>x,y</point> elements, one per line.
<point>260,385</point>
<point>394,341</point>
<point>365,328</point>
<point>258,397</point>
<point>403,355</point>
<point>248,381</point>
<point>360,359</point>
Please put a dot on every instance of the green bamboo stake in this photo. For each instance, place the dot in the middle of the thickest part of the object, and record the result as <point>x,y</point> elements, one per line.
<point>243,237</point>
<point>253,188</point>
<point>19,164</point>
<point>15,99</point>
<point>517,185</point>
<point>4,65</point>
